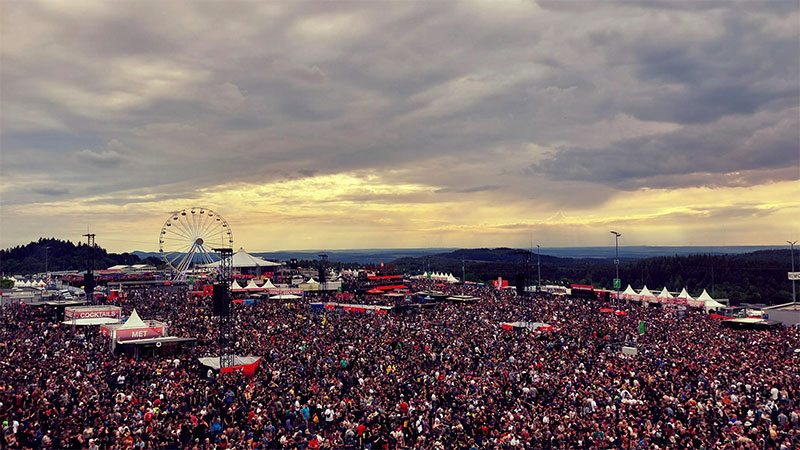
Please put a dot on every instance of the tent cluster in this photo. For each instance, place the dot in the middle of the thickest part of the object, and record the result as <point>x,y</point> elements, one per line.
<point>36,284</point>
<point>439,276</point>
<point>665,297</point>
<point>252,286</point>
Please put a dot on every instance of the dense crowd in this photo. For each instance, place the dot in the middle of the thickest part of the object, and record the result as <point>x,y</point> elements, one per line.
<point>442,378</point>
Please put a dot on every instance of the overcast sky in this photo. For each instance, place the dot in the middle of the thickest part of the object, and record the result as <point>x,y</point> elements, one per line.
<point>402,124</point>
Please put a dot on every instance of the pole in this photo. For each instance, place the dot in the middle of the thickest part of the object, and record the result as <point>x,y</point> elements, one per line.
<point>539,265</point>
<point>616,259</point>
<point>794,292</point>
<point>464,271</point>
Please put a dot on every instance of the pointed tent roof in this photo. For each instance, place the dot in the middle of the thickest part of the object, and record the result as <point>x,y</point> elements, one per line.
<point>311,281</point>
<point>268,285</point>
<point>243,259</point>
<point>705,297</point>
<point>235,286</point>
<point>629,291</point>
<point>685,295</point>
<point>646,292</point>
<point>664,293</point>
<point>134,321</point>
<point>713,304</point>
<point>252,286</point>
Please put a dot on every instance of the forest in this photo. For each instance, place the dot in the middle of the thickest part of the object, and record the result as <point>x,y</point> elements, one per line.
<point>757,277</point>
<point>55,255</point>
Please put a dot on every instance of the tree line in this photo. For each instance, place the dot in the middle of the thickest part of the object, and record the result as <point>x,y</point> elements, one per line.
<point>756,277</point>
<point>57,255</point>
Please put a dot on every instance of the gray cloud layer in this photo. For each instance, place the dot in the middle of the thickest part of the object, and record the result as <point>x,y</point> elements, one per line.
<point>516,99</point>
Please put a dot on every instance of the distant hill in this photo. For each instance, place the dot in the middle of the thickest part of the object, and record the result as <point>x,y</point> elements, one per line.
<point>369,256</point>
<point>758,276</point>
<point>361,256</point>
<point>55,255</point>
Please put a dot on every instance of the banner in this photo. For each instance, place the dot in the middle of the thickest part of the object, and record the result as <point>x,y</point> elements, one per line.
<point>247,369</point>
<point>641,327</point>
<point>92,313</point>
<point>139,333</point>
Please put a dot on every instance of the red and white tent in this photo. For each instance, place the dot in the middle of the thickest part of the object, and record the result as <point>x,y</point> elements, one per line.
<point>134,328</point>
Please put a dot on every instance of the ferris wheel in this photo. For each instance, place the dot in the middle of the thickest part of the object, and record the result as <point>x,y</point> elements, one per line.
<point>189,236</point>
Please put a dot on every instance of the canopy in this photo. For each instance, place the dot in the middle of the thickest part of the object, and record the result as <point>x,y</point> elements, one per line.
<point>665,293</point>
<point>268,285</point>
<point>709,302</point>
<point>713,304</point>
<point>243,259</point>
<point>252,286</point>
<point>629,291</point>
<point>685,295</point>
<point>705,297</point>
<point>311,281</point>
<point>646,292</point>
<point>284,297</point>
<point>134,321</point>
<point>235,286</point>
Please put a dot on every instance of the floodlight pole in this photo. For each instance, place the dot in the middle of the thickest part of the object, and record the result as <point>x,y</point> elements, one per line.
<point>794,292</point>
<point>539,265</point>
<point>616,258</point>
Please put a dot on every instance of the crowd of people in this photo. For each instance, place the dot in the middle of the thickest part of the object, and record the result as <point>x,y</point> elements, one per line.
<point>447,377</point>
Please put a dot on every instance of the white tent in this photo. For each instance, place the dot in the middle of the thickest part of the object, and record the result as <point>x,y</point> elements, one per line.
<point>243,259</point>
<point>252,286</point>
<point>42,284</point>
<point>646,292</point>
<point>268,285</point>
<point>311,281</point>
<point>235,286</point>
<point>629,291</point>
<point>451,278</point>
<point>134,321</point>
<point>694,303</point>
<point>664,293</point>
<point>704,296</point>
<point>284,297</point>
<point>710,303</point>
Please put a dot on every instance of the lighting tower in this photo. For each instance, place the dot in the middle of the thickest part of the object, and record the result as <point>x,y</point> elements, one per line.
<point>617,283</point>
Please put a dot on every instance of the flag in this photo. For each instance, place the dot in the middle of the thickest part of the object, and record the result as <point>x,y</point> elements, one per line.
<point>324,319</point>
<point>641,327</point>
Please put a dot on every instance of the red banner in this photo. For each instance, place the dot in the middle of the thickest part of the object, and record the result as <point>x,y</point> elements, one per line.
<point>70,314</point>
<point>248,369</point>
<point>139,333</point>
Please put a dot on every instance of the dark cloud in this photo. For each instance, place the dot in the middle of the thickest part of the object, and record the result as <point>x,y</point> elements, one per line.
<point>51,191</point>
<point>469,190</point>
<point>712,155</point>
<point>437,92</point>
<point>104,159</point>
